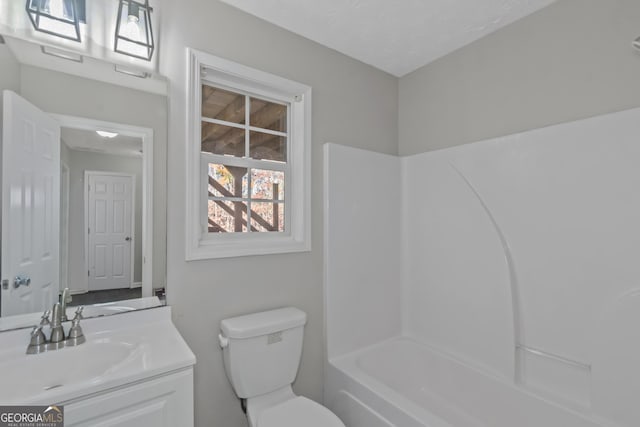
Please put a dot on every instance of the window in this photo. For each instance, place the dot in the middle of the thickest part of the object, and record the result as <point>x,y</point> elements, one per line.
<point>248,163</point>
<point>244,147</point>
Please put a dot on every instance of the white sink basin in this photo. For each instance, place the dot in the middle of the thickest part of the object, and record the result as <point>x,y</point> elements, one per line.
<point>38,374</point>
<point>119,349</point>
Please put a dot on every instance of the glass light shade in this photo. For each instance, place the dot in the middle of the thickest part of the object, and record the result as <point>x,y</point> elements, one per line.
<point>134,35</point>
<point>55,17</point>
<point>106,134</point>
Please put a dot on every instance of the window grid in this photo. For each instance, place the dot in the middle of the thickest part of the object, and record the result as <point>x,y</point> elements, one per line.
<point>262,164</point>
<point>249,200</point>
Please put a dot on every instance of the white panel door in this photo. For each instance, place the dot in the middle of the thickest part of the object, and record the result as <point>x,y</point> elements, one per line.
<point>110,230</point>
<point>30,208</point>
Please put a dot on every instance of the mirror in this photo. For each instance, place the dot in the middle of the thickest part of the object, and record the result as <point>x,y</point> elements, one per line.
<point>97,224</point>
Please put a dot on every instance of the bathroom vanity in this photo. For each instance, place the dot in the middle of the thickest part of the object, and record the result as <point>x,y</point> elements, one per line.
<point>133,370</point>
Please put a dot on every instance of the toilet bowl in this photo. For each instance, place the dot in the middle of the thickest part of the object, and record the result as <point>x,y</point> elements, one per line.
<point>298,412</point>
<point>261,354</point>
<point>284,409</point>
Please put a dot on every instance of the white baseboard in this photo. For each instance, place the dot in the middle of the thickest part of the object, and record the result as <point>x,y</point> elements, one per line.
<point>136,285</point>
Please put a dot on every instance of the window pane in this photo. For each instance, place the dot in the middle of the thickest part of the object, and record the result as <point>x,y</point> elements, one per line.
<point>227,181</point>
<point>223,105</point>
<point>227,217</point>
<point>267,216</point>
<point>219,139</point>
<point>267,184</point>
<point>268,115</point>
<point>264,146</point>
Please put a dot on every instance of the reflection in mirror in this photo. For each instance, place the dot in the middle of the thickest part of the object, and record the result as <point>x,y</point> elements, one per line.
<point>83,173</point>
<point>101,187</point>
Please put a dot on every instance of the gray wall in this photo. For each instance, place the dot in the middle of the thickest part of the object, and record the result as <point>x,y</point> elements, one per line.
<point>61,93</point>
<point>9,70</point>
<point>568,61</point>
<point>78,163</point>
<point>9,75</point>
<point>353,104</point>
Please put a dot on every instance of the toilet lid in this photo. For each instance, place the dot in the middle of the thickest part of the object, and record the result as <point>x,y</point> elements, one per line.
<point>298,412</point>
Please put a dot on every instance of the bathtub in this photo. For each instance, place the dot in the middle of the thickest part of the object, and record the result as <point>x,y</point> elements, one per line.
<point>400,382</point>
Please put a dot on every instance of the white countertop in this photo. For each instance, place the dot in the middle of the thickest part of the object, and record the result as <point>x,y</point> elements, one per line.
<point>119,349</point>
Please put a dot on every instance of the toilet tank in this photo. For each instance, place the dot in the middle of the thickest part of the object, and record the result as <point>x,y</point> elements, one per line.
<point>262,351</point>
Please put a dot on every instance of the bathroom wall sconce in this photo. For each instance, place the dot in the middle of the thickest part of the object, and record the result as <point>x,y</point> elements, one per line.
<point>62,54</point>
<point>60,18</point>
<point>636,43</point>
<point>134,35</point>
<point>133,72</point>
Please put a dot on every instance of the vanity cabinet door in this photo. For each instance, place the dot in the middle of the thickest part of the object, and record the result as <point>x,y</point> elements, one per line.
<point>162,402</point>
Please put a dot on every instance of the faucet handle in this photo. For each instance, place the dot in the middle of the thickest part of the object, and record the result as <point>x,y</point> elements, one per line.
<point>44,320</point>
<point>76,336</point>
<point>38,342</point>
<point>37,336</point>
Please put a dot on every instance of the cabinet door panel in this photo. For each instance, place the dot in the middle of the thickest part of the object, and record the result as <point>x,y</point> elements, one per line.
<point>163,402</point>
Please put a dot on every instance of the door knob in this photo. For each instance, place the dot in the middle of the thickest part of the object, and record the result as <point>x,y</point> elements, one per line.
<point>21,281</point>
<point>127,238</point>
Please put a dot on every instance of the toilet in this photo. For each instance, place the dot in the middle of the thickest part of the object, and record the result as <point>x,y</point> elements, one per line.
<point>261,354</point>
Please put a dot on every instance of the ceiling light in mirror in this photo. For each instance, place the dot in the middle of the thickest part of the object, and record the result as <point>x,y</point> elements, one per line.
<point>134,35</point>
<point>60,18</point>
<point>106,134</point>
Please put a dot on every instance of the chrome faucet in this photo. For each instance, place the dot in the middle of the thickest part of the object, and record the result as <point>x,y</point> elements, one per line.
<point>64,300</point>
<point>57,332</point>
<point>57,340</point>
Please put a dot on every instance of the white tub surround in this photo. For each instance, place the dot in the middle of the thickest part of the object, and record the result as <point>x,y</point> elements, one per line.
<point>133,366</point>
<point>515,273</point>
<point>362,241</point>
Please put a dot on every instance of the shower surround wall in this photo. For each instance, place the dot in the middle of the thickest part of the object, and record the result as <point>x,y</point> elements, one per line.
<point>362,247</point>
<point>518,257</point>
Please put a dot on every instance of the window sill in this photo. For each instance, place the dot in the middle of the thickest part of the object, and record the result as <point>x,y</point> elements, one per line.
<point>210,249</point>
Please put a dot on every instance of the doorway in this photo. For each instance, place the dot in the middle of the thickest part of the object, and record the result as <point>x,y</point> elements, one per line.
<point>111,197</point>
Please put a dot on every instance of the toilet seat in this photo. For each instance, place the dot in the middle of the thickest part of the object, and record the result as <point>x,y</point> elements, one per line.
<point>297,412</point>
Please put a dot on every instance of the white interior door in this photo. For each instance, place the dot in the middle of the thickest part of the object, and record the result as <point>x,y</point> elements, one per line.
<point>29,261</point>
<point>110,203</point>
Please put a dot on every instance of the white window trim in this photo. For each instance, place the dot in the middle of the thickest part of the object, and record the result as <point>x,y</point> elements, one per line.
<point>230,74</point>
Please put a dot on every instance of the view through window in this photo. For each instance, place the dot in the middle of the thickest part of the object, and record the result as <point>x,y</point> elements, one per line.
<point>245,153</point>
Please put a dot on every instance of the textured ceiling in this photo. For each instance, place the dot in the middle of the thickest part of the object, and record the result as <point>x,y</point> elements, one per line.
<point>397,36</point>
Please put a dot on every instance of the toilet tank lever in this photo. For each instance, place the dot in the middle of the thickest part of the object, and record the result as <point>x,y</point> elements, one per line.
<point>224,341</point>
